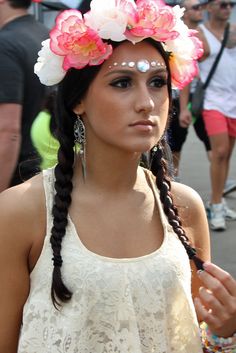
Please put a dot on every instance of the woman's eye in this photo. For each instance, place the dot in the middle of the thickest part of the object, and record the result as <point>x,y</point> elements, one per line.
<point>121,83</point>
<point>158,82</point>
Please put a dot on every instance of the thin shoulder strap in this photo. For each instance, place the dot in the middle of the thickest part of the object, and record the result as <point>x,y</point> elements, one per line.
<point>48,183</point>
<point>156,193</point>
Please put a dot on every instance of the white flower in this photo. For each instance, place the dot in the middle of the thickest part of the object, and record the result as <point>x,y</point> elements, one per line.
<point>178,11</point>
<point>49,66</point>
<point>182,47</point>
<point>180,26</point>
<point>108,18</point>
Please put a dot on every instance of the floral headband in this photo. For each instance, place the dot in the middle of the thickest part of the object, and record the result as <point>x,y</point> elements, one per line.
<point>79,40</point>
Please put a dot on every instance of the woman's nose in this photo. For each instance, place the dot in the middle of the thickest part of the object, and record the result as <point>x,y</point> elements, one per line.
<point>143,101</point>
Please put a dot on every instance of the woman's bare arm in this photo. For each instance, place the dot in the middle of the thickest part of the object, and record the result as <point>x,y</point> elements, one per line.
<point>214,289</point>
<point>21,212</point>
<point>193,217</point>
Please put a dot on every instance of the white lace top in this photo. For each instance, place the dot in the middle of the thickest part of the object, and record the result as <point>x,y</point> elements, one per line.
<point>135,305</point>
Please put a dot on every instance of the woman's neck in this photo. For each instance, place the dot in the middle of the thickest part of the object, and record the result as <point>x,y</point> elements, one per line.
<point>113,172</point>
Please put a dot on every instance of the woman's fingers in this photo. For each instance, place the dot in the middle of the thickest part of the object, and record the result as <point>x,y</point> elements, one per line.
<point>213,305</point>
<point>217,288</point>
<point>206,315</point>
<point>216,304</point>
<point>209,300</point>
<point>224,277</point>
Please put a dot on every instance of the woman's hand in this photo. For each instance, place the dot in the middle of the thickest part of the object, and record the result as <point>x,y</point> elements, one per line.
<point>216,303</point>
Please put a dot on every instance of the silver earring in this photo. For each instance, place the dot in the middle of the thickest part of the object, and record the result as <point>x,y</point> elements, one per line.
<point>151,156</point>
<point>80,138</point>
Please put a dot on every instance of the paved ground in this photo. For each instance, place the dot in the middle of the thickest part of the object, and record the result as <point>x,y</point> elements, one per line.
<point>194,172</point>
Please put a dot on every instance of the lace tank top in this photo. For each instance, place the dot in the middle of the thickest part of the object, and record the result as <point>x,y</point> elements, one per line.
<point>130,305</point>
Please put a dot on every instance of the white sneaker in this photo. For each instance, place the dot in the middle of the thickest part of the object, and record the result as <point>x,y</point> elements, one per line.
<point>217,217</point>
<point>230,214</point>
<point>230,186</point>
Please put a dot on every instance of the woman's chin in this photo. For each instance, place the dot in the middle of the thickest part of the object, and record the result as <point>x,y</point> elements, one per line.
<point>144,148</point>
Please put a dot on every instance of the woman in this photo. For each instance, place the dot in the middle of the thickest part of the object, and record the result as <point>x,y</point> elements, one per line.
<point>101,264</point>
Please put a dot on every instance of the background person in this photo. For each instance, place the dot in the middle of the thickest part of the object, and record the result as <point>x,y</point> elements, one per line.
<point>44,135</point>
<point>43,130</point>
<point>21,94</point>
<point>219,112</point>
<point>177,133</point>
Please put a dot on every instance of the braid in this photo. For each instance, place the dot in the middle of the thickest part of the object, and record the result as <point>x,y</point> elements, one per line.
<point>69,94</point>
<point>62,201</point>
<point>160,170</point>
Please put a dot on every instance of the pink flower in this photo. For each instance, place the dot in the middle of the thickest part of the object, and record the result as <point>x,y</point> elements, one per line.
<point>197,43</point>
<point>153,19</point>
<point>77,41</point>
<point>79,44</point>
<point>182,71</point>
<point>185,50</point>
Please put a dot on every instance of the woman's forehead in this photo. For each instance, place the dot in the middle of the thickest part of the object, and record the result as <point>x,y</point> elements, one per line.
<point>128,52</point>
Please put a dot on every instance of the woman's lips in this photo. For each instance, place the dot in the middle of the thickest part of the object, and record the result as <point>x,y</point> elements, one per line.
<point>143,125</point>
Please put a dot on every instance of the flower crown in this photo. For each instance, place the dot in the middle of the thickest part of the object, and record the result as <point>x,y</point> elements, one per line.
<point>79,40</point>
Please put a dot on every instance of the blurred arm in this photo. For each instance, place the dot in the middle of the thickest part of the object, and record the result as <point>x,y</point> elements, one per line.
<point>185,116</point>
<point>10,141</point>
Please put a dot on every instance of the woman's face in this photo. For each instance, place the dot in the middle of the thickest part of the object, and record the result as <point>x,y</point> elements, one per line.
<point>125,108</point>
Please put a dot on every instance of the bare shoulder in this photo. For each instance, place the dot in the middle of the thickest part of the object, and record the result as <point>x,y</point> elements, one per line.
<point>186,199</point>
<point>22,209</point>
<point>22,222</point>
<point>200,33</point>
<point>194,221</point>
<point>206,49</point>
<point>193,216</point>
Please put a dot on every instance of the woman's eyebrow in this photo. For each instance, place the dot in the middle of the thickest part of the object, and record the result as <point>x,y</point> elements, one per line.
<point>132,72</point>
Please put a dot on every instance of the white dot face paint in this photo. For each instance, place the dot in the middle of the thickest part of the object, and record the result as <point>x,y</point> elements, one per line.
<point>142,65</point>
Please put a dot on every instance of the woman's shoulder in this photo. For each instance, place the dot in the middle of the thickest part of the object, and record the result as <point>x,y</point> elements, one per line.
<point>191,210</point>
<point>30,193</point>
<point>187,200</point>
<point>193,216</point>
<point>185,195</point>
<point>22,210</point>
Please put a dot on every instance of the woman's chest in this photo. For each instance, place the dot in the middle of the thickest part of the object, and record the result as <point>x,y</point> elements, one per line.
<point>119,230</point>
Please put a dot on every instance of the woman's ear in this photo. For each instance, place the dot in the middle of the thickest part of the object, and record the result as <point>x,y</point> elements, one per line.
<point>79,109</point>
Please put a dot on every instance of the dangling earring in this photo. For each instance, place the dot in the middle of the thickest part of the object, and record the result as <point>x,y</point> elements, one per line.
<point>80,138</point>
<point>151,155</point>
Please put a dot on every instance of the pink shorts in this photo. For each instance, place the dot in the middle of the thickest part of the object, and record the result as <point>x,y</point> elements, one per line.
<point>217,123</point>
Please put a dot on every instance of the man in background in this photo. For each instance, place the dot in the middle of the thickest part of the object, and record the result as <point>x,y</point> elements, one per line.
<point>219,110</point>
<point>177,133</point>
<point>21,94</point>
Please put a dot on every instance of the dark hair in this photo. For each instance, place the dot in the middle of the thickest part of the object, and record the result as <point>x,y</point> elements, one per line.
<point>49,106</point>
<point>20,4</point>
<point>70,92</point>
<point>84,6</point>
